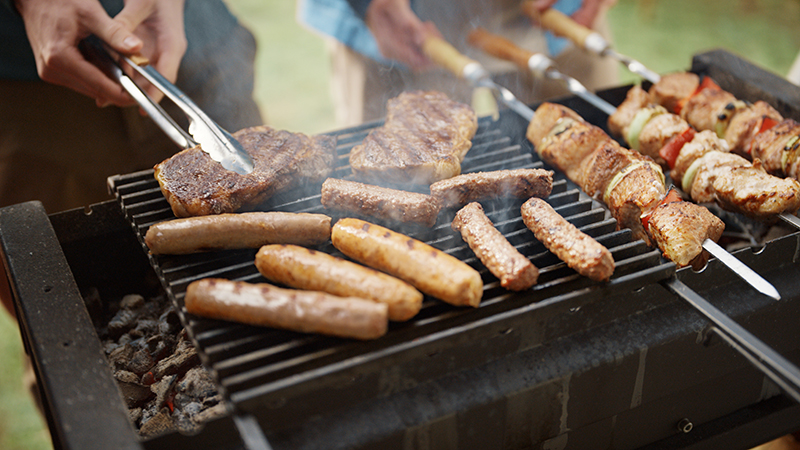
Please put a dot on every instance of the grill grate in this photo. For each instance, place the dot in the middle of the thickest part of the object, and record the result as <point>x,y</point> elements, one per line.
<point>260,366</point>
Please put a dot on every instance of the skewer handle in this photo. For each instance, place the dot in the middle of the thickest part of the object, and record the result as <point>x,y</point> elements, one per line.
<point>559,23</point>
<point>499,47</point>
<point>444,54</point>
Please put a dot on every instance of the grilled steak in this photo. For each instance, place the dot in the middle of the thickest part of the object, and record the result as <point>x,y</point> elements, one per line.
<point>196,185</point>
<point>471,187</point>
<point>424,139</point>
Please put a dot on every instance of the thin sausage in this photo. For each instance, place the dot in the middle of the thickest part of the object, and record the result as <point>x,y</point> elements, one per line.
<point>242,230</point>
<point>303,268</point>
<point>514,270</point>
<point>579,250</point>
<point>428,269</point>
<point>304,311</point>
<point>380,202</point>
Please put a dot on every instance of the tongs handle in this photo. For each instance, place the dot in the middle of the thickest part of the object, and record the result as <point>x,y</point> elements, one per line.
<point>94,52</point>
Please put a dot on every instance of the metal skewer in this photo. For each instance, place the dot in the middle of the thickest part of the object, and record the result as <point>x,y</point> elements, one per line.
<point>586,38</point>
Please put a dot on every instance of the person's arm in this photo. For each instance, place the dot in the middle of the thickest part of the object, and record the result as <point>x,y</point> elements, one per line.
<point>585,15</point>
<point>54,28</point>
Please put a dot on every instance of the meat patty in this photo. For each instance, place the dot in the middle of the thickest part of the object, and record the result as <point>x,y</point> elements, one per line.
<point>423,140</point>
<point>576,248</point>
<point>471,187</point>
<point>196,185</point>
<point>305,311</point>
<point>379,202</point>
<point>513,269</point>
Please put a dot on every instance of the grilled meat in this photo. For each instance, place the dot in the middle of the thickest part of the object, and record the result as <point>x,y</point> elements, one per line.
<point>703,109</point>
<point>708,168</point>
<point>657,131</point>
<point>745,123</point>
<point>576,248</point>
<point>636,99</point>
<point>196,185</point>
<point>568,143</point>
<point>241,230</point>
<point>750,190</point>
<point>633,191</point>
<point>778,149</point>
<point>547,115</point>
<point>702,143</point>
<point>471,187</point>
<point>426,268</point>
<point>672,89</point>
<point>303,268</point>
<point>304,311</point>
<point>599,168</point>
<point>379,202</point>
<point>679,230</point>
<point>424,139</point>
<point>513,269</point>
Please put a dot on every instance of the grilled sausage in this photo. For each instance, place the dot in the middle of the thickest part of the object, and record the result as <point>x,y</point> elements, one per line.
<point>579,250</point>
<point>471,187</point>
<point>379,202</point>
<point>305,311</point>
<point>229,231</point>
<point>428,269</point>
<point>514,270</point>
<point>303,268</point>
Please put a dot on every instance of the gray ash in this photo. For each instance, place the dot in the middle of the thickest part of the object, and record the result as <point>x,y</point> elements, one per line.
<point>157,369</point>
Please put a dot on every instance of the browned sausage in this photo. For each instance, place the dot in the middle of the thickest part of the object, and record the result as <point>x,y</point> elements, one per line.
<point>305,311</point>
<point>303,268</point>
<point>472,187</point>
<point>514,270</point>
<point>380,202</point>
<point>579,250</point>
<point>428,269</point>
<point>243,230</point>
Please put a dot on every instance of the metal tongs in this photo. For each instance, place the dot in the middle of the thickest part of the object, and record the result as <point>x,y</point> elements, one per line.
<point>203,132</point>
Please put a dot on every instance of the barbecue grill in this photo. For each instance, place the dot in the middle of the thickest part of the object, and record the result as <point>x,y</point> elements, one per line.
<point>570,363</point>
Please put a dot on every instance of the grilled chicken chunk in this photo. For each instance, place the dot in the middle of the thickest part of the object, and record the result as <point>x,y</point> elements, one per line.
<point>703,109</point>
<point>753,192</point>
<point>424,139</point>
<point>657,131</point>
<point>635,99</point>
<point>745,123</point>
<point>702,143</point>
<point>513,269</point>
<point>568,144</point>
<point>679,229</point>
<point>673,88</point>
<point>633,191</point>
<point>471,187</point>
<point>599,168</point>
<point>777,148</point>
<point>196,185</point>
<point>379,202</point>
<point>545,118</point>
<point>709,168</point>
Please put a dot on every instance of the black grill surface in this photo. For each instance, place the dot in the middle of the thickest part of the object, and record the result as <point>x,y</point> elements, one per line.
<point>260,367</point>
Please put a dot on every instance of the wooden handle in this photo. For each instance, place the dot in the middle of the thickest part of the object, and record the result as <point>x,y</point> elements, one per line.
<point>499,47</point>
<point>559,23</point>
<point>139,59</point>
<point>444,54</point>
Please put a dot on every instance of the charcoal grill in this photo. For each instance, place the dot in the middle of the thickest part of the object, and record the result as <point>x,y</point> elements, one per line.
<point>571,363</point>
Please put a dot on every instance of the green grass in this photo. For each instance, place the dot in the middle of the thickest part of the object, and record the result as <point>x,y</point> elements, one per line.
<point>292,88</point>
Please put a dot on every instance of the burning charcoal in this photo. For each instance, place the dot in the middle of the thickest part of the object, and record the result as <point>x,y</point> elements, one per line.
<point>135,415</point>
<point>211,413</point>
<point>179,362</point>
<point>169,322</point>
<point>196,384</point>
<point>141,362</point>
<point>120,357</point>
<point>134,393</point>
<point>161,423</point>
<point>163,390</point>
<point>132,301</point>
<point>127,317</point>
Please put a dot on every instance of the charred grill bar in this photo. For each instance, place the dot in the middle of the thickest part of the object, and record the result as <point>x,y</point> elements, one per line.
<point>569,363</point>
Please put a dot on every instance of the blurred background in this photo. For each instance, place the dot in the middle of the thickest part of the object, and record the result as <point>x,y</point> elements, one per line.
<point>292,88</point>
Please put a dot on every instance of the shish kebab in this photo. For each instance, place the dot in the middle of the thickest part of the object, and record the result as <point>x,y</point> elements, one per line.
<point>677,245</point>
<point>772,364</point>
<point>586,38</point>
<point>704,169</point>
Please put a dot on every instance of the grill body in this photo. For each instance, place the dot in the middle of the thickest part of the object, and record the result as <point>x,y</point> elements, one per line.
<point>568,364</point>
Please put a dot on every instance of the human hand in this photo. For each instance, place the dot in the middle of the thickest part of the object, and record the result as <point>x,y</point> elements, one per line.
<point>153,28</point>
<point>399,32</point>
<point>585,15</point>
